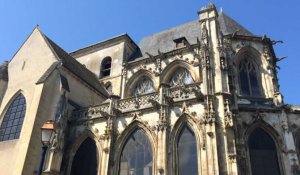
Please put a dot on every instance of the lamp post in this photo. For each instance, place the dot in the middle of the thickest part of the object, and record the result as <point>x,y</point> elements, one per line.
<point>47,131</point>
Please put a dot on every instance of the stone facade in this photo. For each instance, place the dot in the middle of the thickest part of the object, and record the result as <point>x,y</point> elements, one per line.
<point>190,76</point>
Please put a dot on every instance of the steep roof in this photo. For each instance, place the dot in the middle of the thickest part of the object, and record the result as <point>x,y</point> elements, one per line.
<point>163,41</point>
<point>75,67</point>
<point>229,26</point>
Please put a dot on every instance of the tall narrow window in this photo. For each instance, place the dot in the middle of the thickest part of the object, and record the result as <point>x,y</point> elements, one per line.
<point>13,119</point>
<point>144,86</point>
<point>106,67</point>
<point>180,77</point>
<point>263,154</point>
<point>136,157</point>
<point>187,152</point>
<point>85,160</point>
<point>248,79</point>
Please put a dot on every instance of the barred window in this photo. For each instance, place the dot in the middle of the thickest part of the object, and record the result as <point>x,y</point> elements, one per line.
<point>144,86</point>
<point>136,157</point>
<point>180,77</point>
<point>13,119</point>
<point>106,67</point>
<point>248,79</point>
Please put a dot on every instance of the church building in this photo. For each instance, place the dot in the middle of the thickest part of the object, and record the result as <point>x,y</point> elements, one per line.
<point>201,98</point>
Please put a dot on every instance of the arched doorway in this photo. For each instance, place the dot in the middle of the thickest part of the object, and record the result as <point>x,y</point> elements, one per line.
<point>263,153</point>
<point>85,161</point>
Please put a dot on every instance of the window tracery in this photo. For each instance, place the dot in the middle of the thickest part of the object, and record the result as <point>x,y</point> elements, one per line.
<point>144,86</point>
<point>249,85</point>
<point>13,119</point>
<point>180,77</point>
<point>136,156</point>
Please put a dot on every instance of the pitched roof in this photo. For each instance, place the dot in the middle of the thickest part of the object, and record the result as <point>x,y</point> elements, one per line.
<point>75,67</point>
<point>164,41</point>
<point>229,26</point>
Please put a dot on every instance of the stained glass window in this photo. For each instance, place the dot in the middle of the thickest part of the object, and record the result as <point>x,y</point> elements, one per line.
<point>187,152</point>
<point>136,157</point>
<point>180,77</point>
<point>248,79</point>
<point>144,86</point>
<point>13,119</point>
<point>263,154</point>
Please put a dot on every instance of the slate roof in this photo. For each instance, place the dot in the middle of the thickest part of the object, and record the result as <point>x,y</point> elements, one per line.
<point>163,41</point>
<point>75,67</point>
<point>229,26</point>
<point>4,71</point>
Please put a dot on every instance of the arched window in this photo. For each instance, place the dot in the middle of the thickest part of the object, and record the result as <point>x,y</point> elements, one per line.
<point>180,77</point>
<point>263,154</point>
<point>187,162</point>
<point>13,119</point>
<point>136,157</point>
<point>248,79</point>
<point>144,86</point>
<point>85,160</point>
<point>106,67</point>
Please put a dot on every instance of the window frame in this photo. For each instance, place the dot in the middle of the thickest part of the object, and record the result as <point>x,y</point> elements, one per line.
<point>19,96</point>
<point>249,84</point>
<point>103,69</point>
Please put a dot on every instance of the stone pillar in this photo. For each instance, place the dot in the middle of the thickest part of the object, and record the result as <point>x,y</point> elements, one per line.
<point>162,131</point>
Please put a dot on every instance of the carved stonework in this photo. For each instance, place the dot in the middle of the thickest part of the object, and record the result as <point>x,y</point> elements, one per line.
<point>228,121</point>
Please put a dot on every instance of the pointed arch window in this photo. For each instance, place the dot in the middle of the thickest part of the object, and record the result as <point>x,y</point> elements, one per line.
<point>106,67</point>
<point>85,160</point>
<point>249,85</point>
<point>12,122</point>
<point>144,86</point>
<point>136,156</point>
<point>263,153</point>
<point>181,76</point>
<point>187,162</point>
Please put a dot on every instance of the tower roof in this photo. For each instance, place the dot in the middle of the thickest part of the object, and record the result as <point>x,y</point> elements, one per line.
<point>229,25</point>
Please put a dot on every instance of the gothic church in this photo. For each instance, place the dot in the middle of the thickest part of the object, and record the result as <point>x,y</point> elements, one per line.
<point>201,98</point>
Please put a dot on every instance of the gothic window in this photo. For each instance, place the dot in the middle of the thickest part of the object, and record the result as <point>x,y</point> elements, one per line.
<point>249,85</point>
<point>13,119</point>
<point>106,67</point>
<point>136,157</point>
<point>180,77</point>
<point>263,154</point>
<point>85,160</point>
<point>144,86</point>
<point>187,161</point>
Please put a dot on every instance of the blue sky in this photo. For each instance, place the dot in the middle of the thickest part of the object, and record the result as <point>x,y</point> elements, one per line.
<point>73,24</point>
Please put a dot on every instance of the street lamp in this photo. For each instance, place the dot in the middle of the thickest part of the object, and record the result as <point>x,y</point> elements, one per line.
<point>47,131</point>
